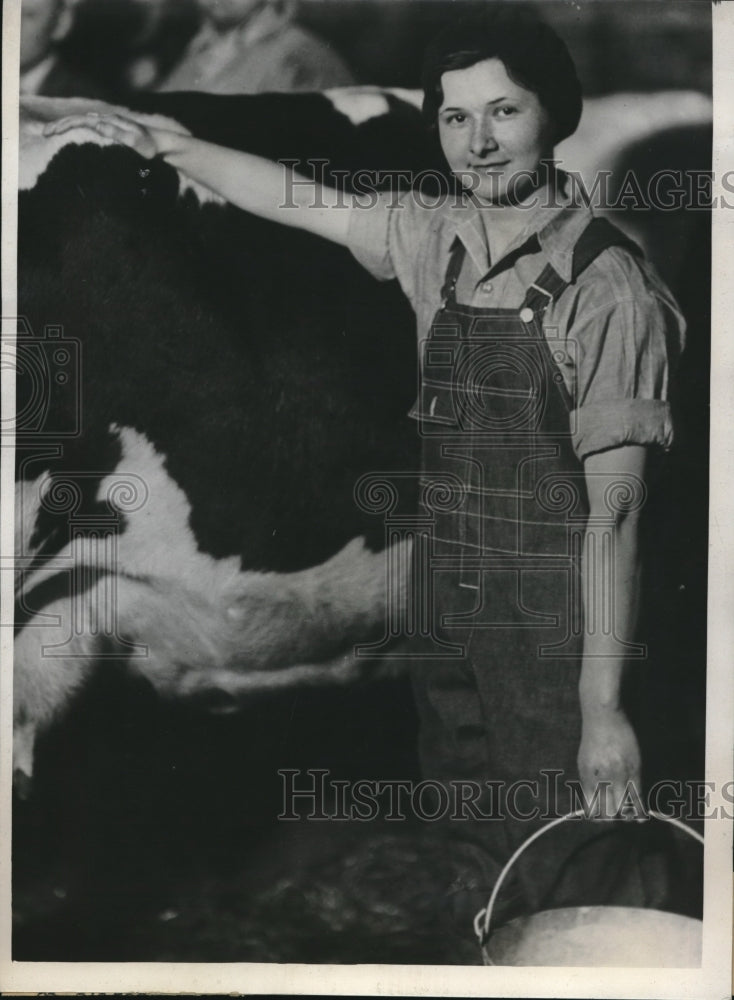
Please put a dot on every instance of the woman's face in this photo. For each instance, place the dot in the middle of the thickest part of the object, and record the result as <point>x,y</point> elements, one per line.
<point>492,130</point>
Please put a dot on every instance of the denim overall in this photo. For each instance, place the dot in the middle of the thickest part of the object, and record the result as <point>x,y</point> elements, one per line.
<point>506,495</point>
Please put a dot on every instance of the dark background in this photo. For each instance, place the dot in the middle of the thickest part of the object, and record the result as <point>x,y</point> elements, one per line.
<point>616,44</point>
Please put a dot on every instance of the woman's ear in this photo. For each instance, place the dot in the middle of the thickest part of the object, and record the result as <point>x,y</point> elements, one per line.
<point>64,22</point>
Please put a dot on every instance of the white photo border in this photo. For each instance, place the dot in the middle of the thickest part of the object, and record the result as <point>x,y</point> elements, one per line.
<point>713,979</point>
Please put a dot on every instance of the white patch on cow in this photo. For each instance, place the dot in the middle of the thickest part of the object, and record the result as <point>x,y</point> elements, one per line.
<point>342,669</point>
<point>414,97</point>
<point>157,540</point>
<point>27,505</point>
<point>189,623</point>
<point>252,619</point>
<point>50,661</point>
<point>358,104</point>
<point>611,124</point>
<point>36,151</point>
<point>612,127</point>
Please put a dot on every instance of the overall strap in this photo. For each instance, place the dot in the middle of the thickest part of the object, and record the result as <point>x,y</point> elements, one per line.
<point>453,269</point>
<point>598,236</point>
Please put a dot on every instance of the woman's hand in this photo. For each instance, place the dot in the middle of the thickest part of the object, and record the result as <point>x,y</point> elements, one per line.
<point>248,181</point>
<point>127,132</point>
<point>609,753</point>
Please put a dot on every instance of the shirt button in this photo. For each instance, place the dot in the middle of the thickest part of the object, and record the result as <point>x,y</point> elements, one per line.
<point>487,286</point>
<point>526,315</point>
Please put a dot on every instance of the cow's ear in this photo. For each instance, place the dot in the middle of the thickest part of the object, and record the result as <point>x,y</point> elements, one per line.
<point>64,23</point>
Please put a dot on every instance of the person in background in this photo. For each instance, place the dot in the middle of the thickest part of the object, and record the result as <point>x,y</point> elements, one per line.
<point>43,68</point>
<point>251,46</point>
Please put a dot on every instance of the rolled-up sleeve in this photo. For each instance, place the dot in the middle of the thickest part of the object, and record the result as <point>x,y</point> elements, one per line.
<point>367,239</point>
<point>626,351</point>
<point>387,235</point>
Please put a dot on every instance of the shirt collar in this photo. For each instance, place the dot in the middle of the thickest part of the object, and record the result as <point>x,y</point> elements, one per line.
<point>555,226</point>
<point>32,79</point>
<point>267,20</point>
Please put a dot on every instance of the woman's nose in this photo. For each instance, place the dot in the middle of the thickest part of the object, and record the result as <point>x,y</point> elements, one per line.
<point>482,138</point>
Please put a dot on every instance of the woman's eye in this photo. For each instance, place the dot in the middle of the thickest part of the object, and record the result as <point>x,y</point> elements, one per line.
<point>505,111</point>
<point>456,118</point>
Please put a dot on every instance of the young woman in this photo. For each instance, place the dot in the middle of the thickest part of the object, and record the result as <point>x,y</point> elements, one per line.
<point>545,343</point>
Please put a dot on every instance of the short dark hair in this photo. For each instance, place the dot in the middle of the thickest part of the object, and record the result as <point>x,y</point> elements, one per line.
<point>532,53</point>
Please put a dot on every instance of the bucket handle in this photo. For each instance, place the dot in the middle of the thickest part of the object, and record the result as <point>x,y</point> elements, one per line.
<point>483,919</point>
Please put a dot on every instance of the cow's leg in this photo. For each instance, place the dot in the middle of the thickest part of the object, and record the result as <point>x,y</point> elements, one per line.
<point>258,631</point>
<point>309,616</point>
<point>50,665</point>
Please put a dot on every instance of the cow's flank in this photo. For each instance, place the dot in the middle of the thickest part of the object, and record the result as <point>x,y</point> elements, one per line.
<point>236,380</point>
<point>37,150</point>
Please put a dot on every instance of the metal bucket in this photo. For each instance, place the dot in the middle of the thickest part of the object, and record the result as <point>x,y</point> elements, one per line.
<point>611,936</point>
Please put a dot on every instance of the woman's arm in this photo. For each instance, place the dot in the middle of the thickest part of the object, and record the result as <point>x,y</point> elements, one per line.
<point>250,182</point>
<point>609,751</point>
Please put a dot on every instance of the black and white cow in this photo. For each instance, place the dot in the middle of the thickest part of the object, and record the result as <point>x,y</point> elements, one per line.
<point>199,394</point>
<point>200,391</point>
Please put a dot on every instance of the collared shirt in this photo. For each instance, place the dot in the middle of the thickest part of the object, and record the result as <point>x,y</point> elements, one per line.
<point>265,53</point>
<point>33,79</point>
<point>616,333</point>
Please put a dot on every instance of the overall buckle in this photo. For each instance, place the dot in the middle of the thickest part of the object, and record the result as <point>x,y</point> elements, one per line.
<point>542,291</point>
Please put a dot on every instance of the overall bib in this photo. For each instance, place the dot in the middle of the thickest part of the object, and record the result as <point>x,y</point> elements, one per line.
<point>506,495</point>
